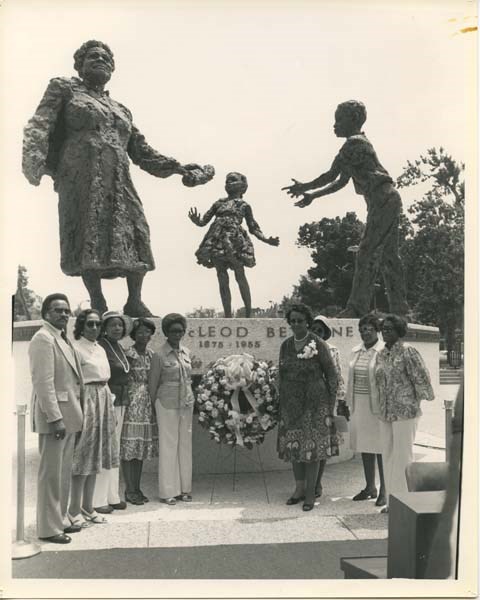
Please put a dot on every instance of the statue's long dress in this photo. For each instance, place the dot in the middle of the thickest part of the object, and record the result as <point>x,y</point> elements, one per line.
<point>84,139</point>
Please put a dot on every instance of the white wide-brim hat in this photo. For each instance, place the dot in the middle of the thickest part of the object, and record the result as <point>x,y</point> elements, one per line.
<point>324,321</point>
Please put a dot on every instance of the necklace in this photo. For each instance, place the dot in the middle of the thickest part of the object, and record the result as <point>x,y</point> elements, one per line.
<point>304,338</point>
<point>126,367</point>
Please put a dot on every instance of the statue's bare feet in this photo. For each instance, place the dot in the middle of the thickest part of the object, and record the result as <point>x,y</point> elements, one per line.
<point>136,309</point>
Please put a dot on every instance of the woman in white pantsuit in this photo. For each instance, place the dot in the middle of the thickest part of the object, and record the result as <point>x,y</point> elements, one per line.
<point>403,382</point>
<point>170,388</point>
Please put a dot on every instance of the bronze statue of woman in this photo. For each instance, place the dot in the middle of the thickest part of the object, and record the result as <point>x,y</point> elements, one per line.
<point>84,139</point>
<point>226,244</point>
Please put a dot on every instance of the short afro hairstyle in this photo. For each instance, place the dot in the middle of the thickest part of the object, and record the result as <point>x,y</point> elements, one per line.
<point>399,324</point>
<point>301,308</point>
<point>142,322</point>
<point>79,55</point>
<point>171,319</point>
<point>371,319</point>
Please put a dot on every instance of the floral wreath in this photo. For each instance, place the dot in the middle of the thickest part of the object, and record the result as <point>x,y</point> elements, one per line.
<point>237,400</point>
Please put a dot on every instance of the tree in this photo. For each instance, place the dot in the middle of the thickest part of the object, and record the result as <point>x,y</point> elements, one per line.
<point>26,304</point>
<point>329,280</point>
<point>436,254</point>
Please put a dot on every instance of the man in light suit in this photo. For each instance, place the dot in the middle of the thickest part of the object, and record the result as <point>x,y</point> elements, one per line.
<point>56,416</point>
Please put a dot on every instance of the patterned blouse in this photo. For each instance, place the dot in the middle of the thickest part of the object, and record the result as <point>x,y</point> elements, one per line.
<point>335,354</point>
<point>403,382</point>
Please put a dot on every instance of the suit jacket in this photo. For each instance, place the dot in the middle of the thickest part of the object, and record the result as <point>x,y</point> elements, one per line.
<point>57,382</point>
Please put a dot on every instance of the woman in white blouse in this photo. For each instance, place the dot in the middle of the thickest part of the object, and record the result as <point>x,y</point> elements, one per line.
<point>363,401</point>
<point>170,388</point>
<point>96,447</point>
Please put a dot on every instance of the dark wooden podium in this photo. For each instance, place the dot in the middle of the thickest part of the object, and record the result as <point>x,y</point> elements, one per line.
<point>412,520</point>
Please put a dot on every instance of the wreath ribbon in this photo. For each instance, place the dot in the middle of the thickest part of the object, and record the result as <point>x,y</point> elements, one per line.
<point>238,372</point>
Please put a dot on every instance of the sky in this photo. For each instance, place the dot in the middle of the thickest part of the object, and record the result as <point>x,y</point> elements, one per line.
<point>249,87</point>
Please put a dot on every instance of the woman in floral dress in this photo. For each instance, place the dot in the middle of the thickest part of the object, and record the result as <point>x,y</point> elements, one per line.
<point>139,439</point>
<point>308,386</point>
<point>403,381</point>
<point>226,244</point>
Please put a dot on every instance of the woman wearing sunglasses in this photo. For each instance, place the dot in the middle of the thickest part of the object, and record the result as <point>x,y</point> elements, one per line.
<point>96,447</point>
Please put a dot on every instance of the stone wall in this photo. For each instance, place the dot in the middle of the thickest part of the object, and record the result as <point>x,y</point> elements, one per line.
<point>209,339</point>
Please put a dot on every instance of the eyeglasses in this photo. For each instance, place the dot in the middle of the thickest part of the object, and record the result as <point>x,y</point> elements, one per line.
<point>298,320</point>
<point>92,324</point>
<point>60,311</point>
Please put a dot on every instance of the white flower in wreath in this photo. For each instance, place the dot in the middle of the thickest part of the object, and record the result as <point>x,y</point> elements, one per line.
<point>208,405</point>
<point>309,351</point>
<point>213,398</point>
<point>207,394</point>
<point>215,387</point>
<point>223,381</point>
<point>261,380</point>
<point>214,412</point>
<point>249,419</point>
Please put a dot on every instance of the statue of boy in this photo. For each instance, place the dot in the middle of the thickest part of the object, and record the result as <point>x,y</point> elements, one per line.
<point>379,244</point>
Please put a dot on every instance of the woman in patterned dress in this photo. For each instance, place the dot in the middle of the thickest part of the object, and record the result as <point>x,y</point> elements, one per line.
<point>403,382</point>
<point>321,327</point>
<point>226,244</point>
<point>139,439</point>
<point>96,447</point>
<point>308,387</point>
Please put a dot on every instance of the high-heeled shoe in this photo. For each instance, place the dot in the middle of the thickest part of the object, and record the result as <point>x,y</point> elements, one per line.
<point>365,495</point>
<point>308,506</point>
<point>381,500</point>
<point>293,500</point>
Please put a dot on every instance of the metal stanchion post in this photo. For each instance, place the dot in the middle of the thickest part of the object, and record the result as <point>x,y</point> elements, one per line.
<point>22,548</point>
<point>448,406</point>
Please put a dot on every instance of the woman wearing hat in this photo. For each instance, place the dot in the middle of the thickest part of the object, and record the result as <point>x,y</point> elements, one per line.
<point>171,390</point>
<point>114,328</point>
<point>321,327</point>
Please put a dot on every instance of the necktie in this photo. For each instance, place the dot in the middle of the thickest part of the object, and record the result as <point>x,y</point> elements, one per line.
<point>65,338</point>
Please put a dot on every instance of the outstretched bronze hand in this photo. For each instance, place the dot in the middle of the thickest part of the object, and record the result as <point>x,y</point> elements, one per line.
<point>273,241</point>
<point>296,189</point>
<point>305,201</point>
<point>195,216</point>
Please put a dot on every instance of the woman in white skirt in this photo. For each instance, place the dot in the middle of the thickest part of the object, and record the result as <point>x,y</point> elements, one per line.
<point>362,399</point>
<point>171,390</point>
<point>96,447</point>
